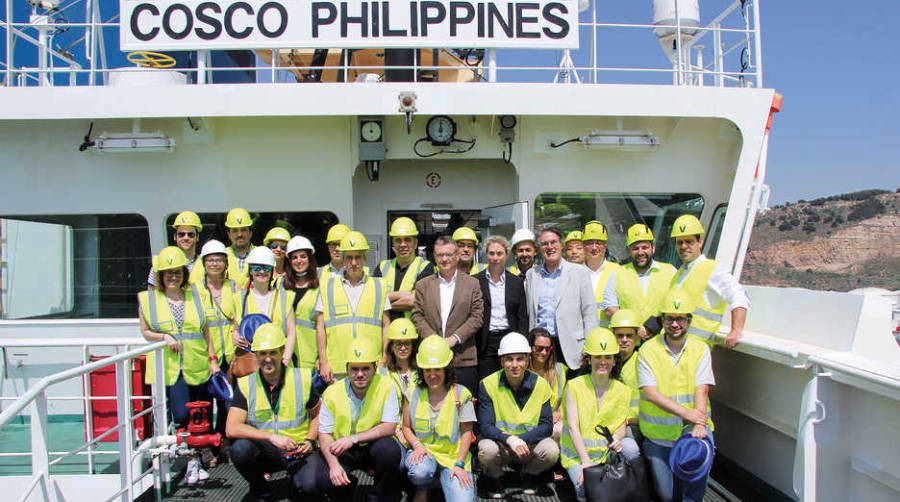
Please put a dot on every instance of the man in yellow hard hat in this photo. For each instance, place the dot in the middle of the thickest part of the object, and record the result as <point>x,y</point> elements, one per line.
<point>240,230</point>
<point>675,375</point>
<point>574,246</point>
<point>333,239</point>
<point>624,325</point>
<point>403,272</point>
<point>352,305</point>
<point>273,419</point>
<point>187,228</point>
<point>601,270</point>
<point>356,427</point>
<point>641,284</point>
<point>468,250</point>
<point>710,284</point>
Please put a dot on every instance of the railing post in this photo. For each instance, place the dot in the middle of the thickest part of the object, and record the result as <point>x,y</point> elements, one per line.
<point>9,38</point>
<point>492,65</point>
<point>757,42</point>
<point>160,411</point>
<point>719,58</point>
<point>126,433</point>
<point>40,447</point>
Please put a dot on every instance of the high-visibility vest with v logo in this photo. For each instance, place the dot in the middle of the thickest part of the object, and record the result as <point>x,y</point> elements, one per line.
<point>238,274</point>
<point>631,293</point>
<point>605,271</point>
<point>289,418</point>
<point>441,437</point>
<point>279,307</point>
<point>193,359</point>
<point>612,414</point>
<point>706,319</point>
<point>629,376</point>
<point>508,417</point>
<point>388,270</point>
<point>337,398</point>
<point>220,317</point>
<point>343,324</point>
<point>305,317</point>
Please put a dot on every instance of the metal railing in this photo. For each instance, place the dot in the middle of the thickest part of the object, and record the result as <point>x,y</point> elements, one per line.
<point>35,400</point>
<point>64,52</point>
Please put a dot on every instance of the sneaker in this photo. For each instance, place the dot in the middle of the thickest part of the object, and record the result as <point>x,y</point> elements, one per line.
<point>192,473</point>
<point>202,475</point>
<point>530,484</point>
<point>490,488</point>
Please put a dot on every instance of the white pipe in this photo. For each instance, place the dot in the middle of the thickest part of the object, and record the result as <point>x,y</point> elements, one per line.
<point>757,42</point>
<point>492,65</point>
<point>752,207</point>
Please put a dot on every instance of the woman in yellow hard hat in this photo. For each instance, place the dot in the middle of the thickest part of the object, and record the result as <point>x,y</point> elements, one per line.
<point>544,363</point>
<point>401,354</point>
<point>276,239</point>
<point>593,401</point>
<point>302,278</point>
<point>174,313</point>
<point>437,421</point>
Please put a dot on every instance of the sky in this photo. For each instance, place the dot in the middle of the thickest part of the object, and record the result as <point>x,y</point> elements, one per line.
<point>835,62</point>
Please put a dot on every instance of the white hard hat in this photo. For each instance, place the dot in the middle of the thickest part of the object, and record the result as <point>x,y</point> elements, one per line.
<point>261,255</point>
<point>299,242</point>
<point>522,235</point>
<point>212,247</point>
<point>514,343</point>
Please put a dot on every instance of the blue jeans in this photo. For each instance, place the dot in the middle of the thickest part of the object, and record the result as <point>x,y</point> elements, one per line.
<point>630,451</point>
<point>664,482</point>
<point>422,475</point>
<point>179,394</point>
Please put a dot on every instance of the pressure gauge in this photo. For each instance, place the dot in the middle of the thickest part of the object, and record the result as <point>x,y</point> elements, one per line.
<point>370,131</point>
<point>507,121</point>
<point>441,130</point>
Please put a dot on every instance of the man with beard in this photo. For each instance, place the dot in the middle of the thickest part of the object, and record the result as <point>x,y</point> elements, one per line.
<point>239,225</point>
<point>524,249</point>
<point>187,228</point>
<point>403,272</point>
<point>640,285</point>
<point>595,246</point>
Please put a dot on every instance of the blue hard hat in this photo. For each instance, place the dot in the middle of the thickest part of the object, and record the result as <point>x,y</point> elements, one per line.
<point>219,387</point>
<point>692,458</point>
<point>248,326</point>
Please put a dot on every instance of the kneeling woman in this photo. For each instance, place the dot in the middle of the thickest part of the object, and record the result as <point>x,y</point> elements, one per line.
<point>438,422</point>
<point>591,401</point>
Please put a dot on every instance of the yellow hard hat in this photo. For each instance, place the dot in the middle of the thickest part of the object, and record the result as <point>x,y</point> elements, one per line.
<point>404,227</point>
<point>677,301</point>
<point>595,231</point>
<point>336,233</point>
<point>362,350</point>
<point>624,318</point>
<point>686,224</point>
<point>267,336</point>
<point>574,235</point>
<point>276,234</point>
<point>402,329</point>
<point>238,218</point>
<point>354,241</point>
<point>434,352</point>
<point>601,342</point>
<point>188,219</point>
<point>637,233</point>
<point>171,257</point>
<point>465,234</point>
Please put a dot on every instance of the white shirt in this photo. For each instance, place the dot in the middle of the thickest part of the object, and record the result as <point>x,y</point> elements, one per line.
<point>446,289</point>
<point>611,298</point>
<point>498,302</point>
<point>595,275</point>
<point>389,414</point>
<point>354,293</point>
<point>721,286</point>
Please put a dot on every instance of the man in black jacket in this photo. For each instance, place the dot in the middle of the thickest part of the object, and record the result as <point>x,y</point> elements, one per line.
<point>505,309</point>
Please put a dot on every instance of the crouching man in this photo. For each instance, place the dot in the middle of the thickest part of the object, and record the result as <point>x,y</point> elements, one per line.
<point>273,419</point>
<point>356,428</point>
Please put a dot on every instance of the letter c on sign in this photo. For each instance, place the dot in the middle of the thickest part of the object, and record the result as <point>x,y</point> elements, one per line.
<point>229,20</point>
<point>135,29</point>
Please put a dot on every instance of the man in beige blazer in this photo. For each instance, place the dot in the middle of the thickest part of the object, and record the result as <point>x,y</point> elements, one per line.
<point>450,304</point>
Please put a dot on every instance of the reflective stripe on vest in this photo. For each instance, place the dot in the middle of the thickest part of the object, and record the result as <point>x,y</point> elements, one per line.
<point>346,325</point>
<point>190,341</point>
<point>441,437</point>
<point>631,294</point>
<point>291,418</point>
<point>629,377</point>
<point>305,317</point>
<point>278,306</point>
<point>337,398</point>
<point>388,270</point>
<point>706,319</point>
<point>612,414</point>
<point>605,271</point>
<point>508,417</point>
<point>675,382</point>
<point>218,318</point>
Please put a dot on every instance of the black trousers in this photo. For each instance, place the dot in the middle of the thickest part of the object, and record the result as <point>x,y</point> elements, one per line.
<point>382,455</point>
<point>488,360</point>
<point>468,376</point>
<point>253,459</point>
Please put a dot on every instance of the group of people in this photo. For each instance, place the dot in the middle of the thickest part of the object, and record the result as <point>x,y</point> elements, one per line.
<point>422,362</point>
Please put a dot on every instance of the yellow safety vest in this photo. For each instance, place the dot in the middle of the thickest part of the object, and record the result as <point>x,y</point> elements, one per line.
<point>477,267</point>
<point>605,271</point>
<point>442,437</point>
<point>631,294</point>
<point>507,415</point>
<point>675,382</point>
<point>388,270</point>
<point>342,324</point>
<point>612,414</point>
<point>289,417</point>
<point>706,319</point>
<point>234,272</point>
<point>337,399</point>
<point>279,306</point>
<point>326,272</point>
<point>514,269</point>
<point>629,376</point>
<point>403,390</point>
<point>220,317</point>
<point>305,317</point>
<point>560,389</point>
<point>193,359</point>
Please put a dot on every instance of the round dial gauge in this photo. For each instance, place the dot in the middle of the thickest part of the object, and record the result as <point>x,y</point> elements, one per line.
<point>508,121</point>
<point>370,131</point>
<point>440,130</point>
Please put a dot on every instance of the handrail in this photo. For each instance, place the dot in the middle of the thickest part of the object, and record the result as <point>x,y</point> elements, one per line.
<point>10,413</point>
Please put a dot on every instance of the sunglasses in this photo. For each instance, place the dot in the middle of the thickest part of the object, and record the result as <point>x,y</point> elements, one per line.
<point>275,245</point>
<point>542,348</point>
<point>260,268</point>
<point>186,234</point>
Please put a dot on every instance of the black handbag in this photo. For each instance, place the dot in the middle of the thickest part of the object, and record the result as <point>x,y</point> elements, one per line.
<point>617,479</point>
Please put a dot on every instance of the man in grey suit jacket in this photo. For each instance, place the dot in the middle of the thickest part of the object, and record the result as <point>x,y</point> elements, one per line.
<point>450,304</point>
<point>560,299</point>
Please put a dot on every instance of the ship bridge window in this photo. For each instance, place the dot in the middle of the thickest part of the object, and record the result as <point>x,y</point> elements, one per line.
<point>72,266</point>
<point>618,211</point>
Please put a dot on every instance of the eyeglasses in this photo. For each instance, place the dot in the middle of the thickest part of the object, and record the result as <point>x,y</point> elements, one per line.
<point>542,348</point>
<point>186,234</point>
<point>467,245</point>
<point>675,320</point>
<point>260,268</point>
<point>547,244</point>
<point>275,245</point>
<point>444,255</point>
